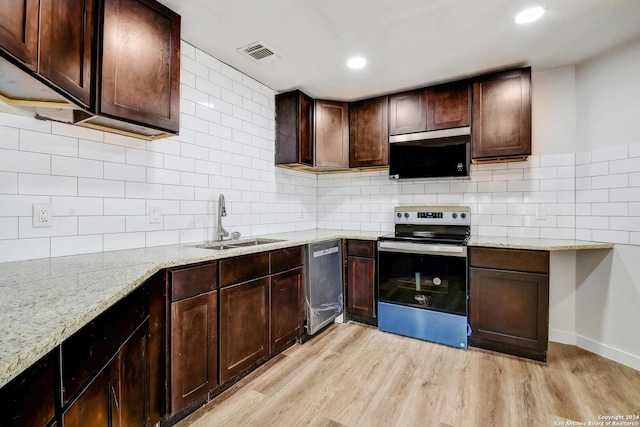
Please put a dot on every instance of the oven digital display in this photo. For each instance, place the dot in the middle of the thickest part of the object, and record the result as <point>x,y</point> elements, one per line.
<point>429,214</point>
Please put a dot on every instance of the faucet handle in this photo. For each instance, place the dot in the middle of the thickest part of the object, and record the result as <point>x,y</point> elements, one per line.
<point>235,235</point>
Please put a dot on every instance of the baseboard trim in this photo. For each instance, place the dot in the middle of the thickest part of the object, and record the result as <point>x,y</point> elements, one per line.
<point>617,355</point>
<point>562,337</point>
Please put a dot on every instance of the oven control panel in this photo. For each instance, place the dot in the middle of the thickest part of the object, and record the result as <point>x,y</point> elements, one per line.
<point>454,215</point>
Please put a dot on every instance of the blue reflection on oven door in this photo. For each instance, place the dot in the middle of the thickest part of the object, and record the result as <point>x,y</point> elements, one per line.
<point>428,325</point>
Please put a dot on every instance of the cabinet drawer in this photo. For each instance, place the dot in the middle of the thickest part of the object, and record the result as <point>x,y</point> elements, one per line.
<point>242,268</point>
<point>192,281</point>
<point>510,259</point>
<point>363,248</point>
<point>286,259</point>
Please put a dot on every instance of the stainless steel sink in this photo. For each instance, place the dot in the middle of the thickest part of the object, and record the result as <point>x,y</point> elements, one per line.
<point>231,244</point>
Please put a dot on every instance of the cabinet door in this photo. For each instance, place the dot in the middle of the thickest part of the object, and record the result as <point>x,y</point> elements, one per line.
<point>140,84</point>
<point>361,284</point>
<point>28,400</point>
<point>66,43</point>
<point>294,132</point>
<point>244,326</point>
<point>502,114</point>
<point>129,405</point>
<point>19,30</point>
<point>331,131</point>
<point>408,112</point>
<point>194,362</point>
<point>509,311</point>
<point>286,307</point>
<point>369,134</point>
<point>92,406</point>
<point>448,105</point>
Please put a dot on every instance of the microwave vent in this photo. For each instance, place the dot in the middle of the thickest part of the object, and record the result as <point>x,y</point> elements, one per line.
<point>260,52</point>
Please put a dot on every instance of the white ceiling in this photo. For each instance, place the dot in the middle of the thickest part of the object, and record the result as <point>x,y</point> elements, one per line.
<point>408,43</point>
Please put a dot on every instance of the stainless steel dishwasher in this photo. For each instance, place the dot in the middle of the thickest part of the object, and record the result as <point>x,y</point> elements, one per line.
<point>323,287</point>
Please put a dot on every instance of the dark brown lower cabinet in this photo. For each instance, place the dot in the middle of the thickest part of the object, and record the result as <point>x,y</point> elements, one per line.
<point>117,396</point>
<point>286,311</point>
<point>28,400</point>
<point>194,349</point>
<point>508,309</point>
<point>244,326</point>
<point>361,280</point>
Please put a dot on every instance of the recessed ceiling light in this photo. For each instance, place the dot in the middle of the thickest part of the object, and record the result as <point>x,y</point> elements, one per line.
<point>356,62</point>
<point>529,15</point>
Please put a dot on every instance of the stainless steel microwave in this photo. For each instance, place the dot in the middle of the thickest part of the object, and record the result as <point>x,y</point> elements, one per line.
<point>435,154</point>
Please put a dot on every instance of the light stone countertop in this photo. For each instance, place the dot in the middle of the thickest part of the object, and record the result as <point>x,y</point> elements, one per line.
<point>45,301</point>
<point>536,244</point>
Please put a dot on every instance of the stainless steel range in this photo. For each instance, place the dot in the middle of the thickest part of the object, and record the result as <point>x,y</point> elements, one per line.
<point>422,274</point>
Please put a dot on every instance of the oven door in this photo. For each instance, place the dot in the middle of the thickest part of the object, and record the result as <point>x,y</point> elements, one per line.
<point>426,276</point>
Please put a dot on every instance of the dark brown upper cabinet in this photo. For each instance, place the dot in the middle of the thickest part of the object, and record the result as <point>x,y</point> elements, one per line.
<point>19,30</point>
<point>448,105</point>
<point>331,134</point>
<point>66,45</point>
<point>113,65</point>
<point>408,112</point>
<point>294,127</point>
<point>140,64</point>
<point>368,133</point>
<point>501,126</point>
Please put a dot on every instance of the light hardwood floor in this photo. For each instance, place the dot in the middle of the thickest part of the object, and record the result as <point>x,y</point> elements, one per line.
<point>354,375</point>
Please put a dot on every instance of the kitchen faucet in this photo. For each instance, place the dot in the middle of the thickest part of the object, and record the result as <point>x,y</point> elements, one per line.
<point>222,211</point>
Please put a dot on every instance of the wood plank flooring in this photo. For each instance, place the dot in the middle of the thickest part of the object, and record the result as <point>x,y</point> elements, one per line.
<point>355,376</point>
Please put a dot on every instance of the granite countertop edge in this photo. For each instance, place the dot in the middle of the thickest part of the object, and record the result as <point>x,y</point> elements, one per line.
<point>26,341</point>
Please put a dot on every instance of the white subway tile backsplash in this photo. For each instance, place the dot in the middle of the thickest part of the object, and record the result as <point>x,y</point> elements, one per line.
<point>114,206</point>
<point>100,188</point>
<point>99,151</point>
<point>8,183</point>
<point>101,224</point>
<point>624,223</point>
<point>567,159</point>
<point>610,181</point>
<point>21,249</point>
<point>631,194</point>
<point>592,169</point>
<point>60,226</point>
<point>583,157</point>
<point>625,166</point>
<point>194,67</point>
<point>121,172</point>
<point>161,238</point>
<point>80,132</point>
<point>207,60</point>
<point>8,228</point>
<point>120,241</point>
<point>593,222</point>
<point>634,179</point>
<point>9,138</point>
<point>610,153</point>
<point>19,205</point>
<point>585,196</point>
<point>136,190</point>
<point>21,122</point>
<point>21,161</point>
<point>74,245</point>
<point>178,192</point>
<point>47,185</point>
<point>71,166</point>
<point>634,150</point>
<point>48,144</point>
<point>610,236</point>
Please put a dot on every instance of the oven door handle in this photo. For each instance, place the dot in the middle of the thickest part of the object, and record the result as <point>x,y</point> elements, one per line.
<point>423,248</point>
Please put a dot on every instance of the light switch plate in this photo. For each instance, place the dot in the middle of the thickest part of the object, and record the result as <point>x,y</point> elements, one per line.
<point>155,215</point>
<point>41,215</point>
<point>541,212</point>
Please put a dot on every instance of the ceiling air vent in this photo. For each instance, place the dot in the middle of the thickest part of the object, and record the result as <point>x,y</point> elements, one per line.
<point>260,52</point>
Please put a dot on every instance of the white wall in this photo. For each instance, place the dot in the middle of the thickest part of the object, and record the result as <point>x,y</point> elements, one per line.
<point>608,203</point>
<point>608,90</point>
<point>101,185</point>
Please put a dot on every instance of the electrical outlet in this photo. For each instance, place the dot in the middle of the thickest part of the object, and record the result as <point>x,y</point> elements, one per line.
<point>41,215</point>
<point>541,212</point>
<point>155,215</point>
